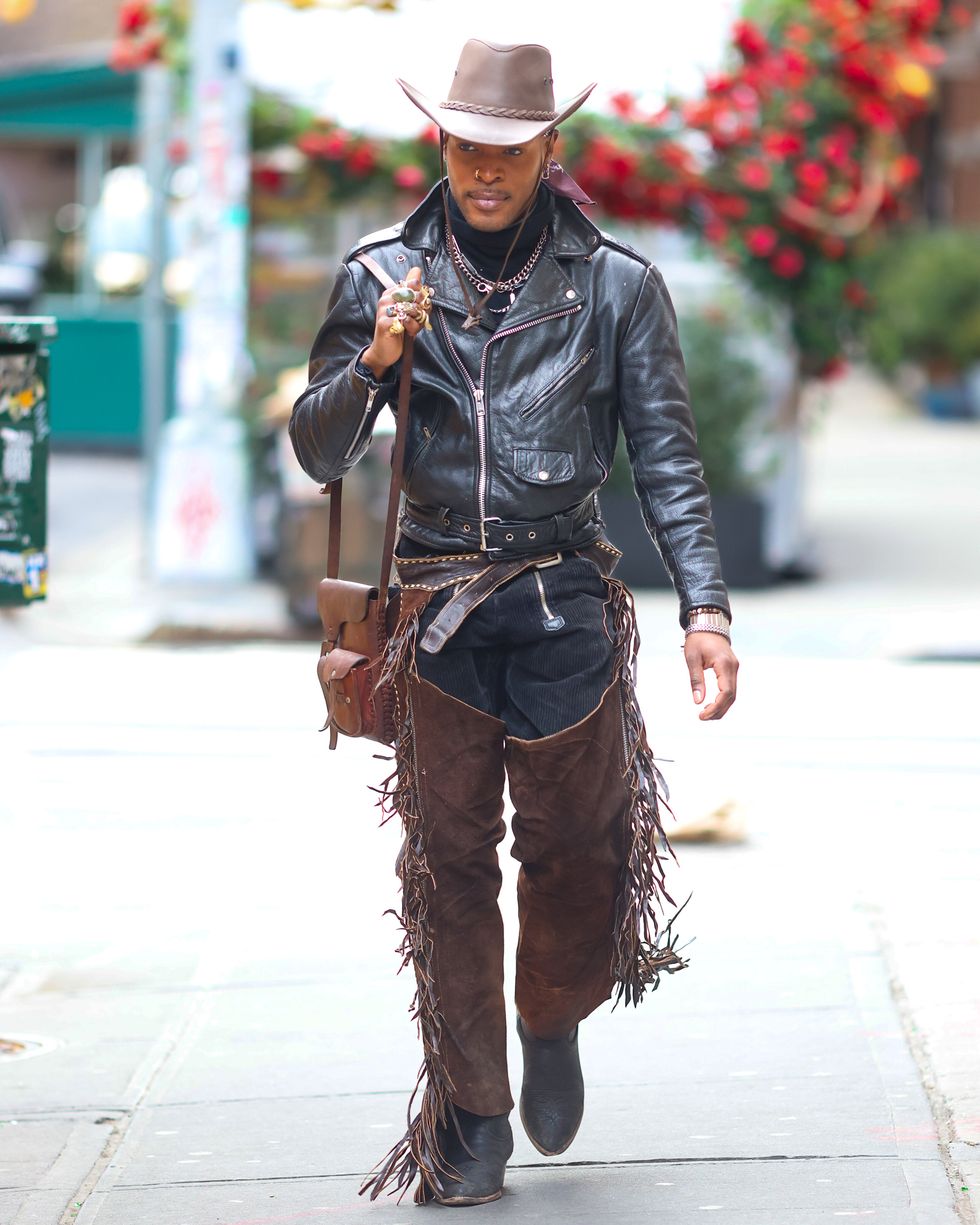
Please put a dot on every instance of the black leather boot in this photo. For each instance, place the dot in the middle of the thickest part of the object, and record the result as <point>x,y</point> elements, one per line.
<point>553,1093</point>
<point>478,1153</point>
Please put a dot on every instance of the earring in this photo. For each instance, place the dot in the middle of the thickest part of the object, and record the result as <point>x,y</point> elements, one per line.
<point>546,173</point>
<point>478,179</point>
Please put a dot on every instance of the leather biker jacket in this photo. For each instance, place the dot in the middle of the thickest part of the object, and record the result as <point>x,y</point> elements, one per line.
<point>513,431</point>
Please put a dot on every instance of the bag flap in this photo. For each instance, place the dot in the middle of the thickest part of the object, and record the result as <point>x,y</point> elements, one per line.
<point>336,664</point>
<point>338,600</point>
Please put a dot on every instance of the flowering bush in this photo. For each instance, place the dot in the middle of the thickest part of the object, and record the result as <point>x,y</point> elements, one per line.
<point>789,158</point>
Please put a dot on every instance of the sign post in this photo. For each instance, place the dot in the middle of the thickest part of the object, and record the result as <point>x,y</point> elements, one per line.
<point>201,509</point>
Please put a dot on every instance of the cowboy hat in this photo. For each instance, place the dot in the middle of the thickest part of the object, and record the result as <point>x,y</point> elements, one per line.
<point>500,95</point>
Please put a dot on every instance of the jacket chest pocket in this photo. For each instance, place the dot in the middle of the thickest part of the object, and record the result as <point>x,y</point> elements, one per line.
<point>560,382</point>
<point>543,467</point>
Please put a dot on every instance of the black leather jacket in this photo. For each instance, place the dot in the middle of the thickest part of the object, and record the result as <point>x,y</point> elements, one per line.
<point>515,429</point>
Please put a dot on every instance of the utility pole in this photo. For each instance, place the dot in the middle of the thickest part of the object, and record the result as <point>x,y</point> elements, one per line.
<point>201,508</point>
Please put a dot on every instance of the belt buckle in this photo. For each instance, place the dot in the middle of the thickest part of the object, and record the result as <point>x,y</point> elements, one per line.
<point>549,561</point>
<point>483,533</point>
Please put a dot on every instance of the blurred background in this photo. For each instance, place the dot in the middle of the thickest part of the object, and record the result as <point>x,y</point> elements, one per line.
<point>189,886</point>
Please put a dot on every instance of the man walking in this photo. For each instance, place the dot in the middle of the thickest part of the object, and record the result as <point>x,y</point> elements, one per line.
<point>540,338</point>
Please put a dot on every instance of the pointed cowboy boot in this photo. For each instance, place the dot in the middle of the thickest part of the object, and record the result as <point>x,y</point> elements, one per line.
<point>571,805</point>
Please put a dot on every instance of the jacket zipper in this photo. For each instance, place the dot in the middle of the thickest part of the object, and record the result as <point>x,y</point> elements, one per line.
<point>556,384</point>
<point>477,392</point>
<point>372,392</point>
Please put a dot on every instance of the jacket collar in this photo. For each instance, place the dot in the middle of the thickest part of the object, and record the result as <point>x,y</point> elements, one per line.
<point>573,234</point>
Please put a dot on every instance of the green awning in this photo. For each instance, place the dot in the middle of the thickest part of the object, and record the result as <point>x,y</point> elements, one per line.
<point>67,100</point>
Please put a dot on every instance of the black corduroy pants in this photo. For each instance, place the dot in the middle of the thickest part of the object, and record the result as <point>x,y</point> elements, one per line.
<point>536,654</point>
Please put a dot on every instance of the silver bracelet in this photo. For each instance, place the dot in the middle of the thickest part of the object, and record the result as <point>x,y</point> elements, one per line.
<point>710,621</point>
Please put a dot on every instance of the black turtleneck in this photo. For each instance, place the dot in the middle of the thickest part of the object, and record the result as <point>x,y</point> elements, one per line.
<point>484,250</point>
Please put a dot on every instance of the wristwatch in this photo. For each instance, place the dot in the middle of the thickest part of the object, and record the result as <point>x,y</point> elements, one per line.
<point>709,620</point>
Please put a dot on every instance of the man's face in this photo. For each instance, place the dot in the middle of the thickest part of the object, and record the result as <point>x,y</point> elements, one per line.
<point>492,184</point>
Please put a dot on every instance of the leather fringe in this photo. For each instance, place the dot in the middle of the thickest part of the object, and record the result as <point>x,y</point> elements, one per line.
<point>642,950</point>
<point>419,1151</point>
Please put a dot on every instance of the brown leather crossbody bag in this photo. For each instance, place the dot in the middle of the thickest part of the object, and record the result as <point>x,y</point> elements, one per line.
<point>357,618</point>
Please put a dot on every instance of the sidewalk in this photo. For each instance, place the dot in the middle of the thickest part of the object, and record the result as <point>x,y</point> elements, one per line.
<point>194,912</point>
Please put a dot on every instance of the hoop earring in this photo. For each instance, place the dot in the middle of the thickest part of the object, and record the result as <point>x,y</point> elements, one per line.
<point>546,173</point>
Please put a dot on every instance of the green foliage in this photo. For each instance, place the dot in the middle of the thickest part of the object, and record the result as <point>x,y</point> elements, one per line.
<point>726,390</point>
<point>925,286</point>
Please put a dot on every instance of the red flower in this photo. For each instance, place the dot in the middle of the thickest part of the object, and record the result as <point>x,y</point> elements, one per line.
<point>876,114</point>
<point>778,144</point>
<point>754,174</point>
<point>856,294</point>
<point>794,65</point>
<point>744,98</point>
<point>430,134</point>
<point>813,176</point>
<point>733,207</point>
<point>624,104</point>
<point>329,145</point>
<point>860,74</point>
<point>761,240</point>
<point>134,15</point>
<point>268,178</point>
<point>798,33</point>
<point>361,161</point>
<point>904,169</point>
<point>673,155</point>
<point>798,110</point>
<point>750,40</point>
<point>408,178</point>
<point>838,145</point>
<point>716,231</point>
<point>833,247</point>
<point>787,262</point>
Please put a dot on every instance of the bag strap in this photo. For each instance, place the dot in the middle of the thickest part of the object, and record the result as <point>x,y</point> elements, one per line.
<point>397,462</point>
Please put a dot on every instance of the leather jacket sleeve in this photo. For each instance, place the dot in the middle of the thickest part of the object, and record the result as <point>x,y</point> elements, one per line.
<point>332,421</point>
<point>661,442</point>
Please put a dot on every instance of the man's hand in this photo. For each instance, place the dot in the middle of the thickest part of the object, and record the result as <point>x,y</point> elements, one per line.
<point>385,349</point>
<point>705,651</point>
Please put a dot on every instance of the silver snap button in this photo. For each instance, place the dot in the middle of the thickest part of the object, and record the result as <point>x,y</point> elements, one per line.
<point>401,258</point>
<point>532,535</point>
<point>569,293</point>
<point>543,474</point>
<point>509,536</point>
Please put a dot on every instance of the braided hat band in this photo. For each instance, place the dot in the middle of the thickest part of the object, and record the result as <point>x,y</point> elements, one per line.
<point>500,112</point>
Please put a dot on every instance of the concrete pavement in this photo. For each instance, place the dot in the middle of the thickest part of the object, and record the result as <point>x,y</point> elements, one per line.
<point>190,902</point>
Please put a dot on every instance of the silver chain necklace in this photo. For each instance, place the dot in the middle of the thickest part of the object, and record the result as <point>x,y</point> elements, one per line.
<point>510,285</point>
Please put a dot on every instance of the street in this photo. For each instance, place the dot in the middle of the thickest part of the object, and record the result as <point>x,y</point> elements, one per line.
<point>192,894</point>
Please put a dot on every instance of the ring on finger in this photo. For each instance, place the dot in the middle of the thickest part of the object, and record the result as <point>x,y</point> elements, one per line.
<point>391,311</point>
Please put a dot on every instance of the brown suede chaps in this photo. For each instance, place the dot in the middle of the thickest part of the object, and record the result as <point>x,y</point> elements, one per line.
<point>588,838</point>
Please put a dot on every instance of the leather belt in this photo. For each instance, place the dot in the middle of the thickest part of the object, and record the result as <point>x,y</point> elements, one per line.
<point>502,536</point>
<point>480,576</point>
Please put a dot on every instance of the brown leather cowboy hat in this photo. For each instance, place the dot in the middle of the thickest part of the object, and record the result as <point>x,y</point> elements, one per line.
<point>499,95</point>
